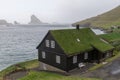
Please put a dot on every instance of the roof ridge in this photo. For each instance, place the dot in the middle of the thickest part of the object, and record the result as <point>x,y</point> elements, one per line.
<point>69,29</point>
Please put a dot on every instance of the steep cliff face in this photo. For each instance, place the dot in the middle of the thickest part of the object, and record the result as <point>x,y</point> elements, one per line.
<point>35,20</point>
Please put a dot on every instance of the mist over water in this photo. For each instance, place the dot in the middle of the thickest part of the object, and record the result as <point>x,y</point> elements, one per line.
<point>18,44</point>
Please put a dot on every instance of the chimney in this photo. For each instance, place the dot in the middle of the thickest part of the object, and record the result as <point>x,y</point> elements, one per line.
<point>77,27</point>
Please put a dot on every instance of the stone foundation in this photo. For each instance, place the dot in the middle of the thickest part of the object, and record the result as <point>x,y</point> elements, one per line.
<point>47,67</point>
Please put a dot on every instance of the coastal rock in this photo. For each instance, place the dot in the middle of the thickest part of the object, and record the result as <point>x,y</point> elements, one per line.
<point>35,20</point>
<point>15,22</point>
<point>4,23</point>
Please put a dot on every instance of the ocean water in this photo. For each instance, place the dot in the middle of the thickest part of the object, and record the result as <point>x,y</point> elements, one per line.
<point>18,44</point>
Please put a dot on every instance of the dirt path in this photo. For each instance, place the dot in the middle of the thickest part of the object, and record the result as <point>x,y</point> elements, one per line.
<point>20,74</point>
<point>16,75</point>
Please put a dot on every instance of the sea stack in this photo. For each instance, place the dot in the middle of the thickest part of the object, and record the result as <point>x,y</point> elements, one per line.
<point>34,20</point>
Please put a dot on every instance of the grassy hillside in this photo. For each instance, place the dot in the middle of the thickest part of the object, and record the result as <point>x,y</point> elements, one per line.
<point>33,75</point>
<point>105,20</point>
<point>23,65</point>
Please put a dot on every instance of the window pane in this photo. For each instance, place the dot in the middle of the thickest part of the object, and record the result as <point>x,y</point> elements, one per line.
<point>47,43</point>
<point>43,55</point>
<point>52,44</point>
<point>57,59</point>
<point>86,55</point>
<point>74,59</point>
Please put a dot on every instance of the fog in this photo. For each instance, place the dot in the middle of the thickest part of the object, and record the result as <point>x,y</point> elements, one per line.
<point>61,11</point>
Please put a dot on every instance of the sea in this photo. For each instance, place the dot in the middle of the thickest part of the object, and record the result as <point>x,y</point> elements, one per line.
<point>18,43</point>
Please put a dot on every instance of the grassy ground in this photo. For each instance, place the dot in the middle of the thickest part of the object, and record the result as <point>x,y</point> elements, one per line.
<point>116,30</point>
<point>51,76</point>
<point>22,66</point>
<point>34,75</point>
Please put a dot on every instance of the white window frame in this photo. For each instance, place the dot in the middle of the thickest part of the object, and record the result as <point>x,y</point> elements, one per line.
<point>47,43</point>
<point>108,54</point>
<point>86,55</point>
<point>52,44</point>
<point>43,54</point>
<point>58,59</point>
<point>74,59</point>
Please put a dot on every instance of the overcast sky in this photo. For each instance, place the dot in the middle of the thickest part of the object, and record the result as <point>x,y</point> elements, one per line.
<point>61,11</point>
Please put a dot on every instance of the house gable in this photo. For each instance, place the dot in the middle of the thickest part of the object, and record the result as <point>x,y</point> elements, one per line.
<point>52,45</point>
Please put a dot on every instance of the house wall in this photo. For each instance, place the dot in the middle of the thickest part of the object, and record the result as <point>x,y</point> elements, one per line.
<point>93,56</point>
<point>49,37</point>
<point>80,59</point>
<point>51,59</point>
<point>105,55</point>
<point>47,67</point>
<point>51,53</point>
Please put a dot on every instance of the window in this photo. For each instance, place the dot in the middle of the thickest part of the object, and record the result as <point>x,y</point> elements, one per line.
<point>74,59</point>
<point>43,55</point>
<point>47,43</point>
<point>52,44</point>
<point>108,54</point>
<point>86,55</point>
<point>57,59</point>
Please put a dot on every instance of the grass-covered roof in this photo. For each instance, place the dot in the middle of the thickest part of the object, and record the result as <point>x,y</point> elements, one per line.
<point>111,37</point>
<point>74,41</point>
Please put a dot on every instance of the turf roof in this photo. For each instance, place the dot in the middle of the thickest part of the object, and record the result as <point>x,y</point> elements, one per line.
<point>74,41</point>
<point>111,37</point>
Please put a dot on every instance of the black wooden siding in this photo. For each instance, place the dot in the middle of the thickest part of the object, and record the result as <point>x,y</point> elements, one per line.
<point>51,59</point>
<point>51,53</point>
<point>57,48</point>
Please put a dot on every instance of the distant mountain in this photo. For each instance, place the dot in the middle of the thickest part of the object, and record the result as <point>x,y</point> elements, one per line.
<point>105,20</point>
<point>34,20</point>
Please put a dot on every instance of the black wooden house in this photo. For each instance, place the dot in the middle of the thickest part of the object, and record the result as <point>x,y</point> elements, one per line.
<point>66,49</point>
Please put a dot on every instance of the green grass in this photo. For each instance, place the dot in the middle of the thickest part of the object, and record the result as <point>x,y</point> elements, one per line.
<point>105,20</point>
<point>116,30</point>
<point>117,55</point>
<point>23,65</point>
<point>67,39</point>
<point>33,75</point>
<point>111,37</point>
<point>51,76</point>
